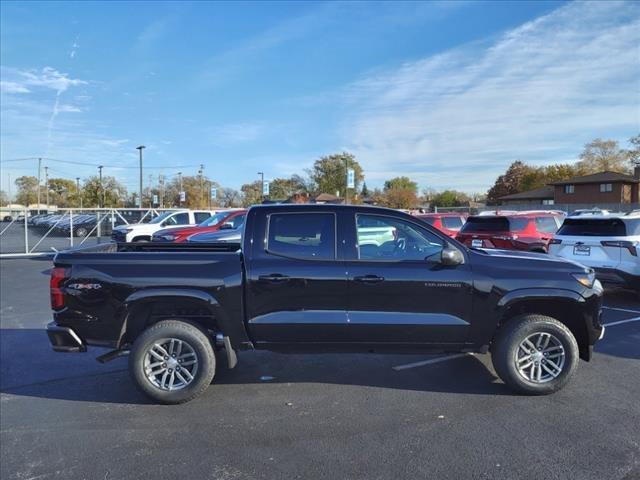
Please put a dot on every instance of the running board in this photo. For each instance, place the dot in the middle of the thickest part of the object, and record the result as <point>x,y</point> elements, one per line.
<point>112,355</point>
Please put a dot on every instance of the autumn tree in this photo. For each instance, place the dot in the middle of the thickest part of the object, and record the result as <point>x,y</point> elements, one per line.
<point>251,193</point>
<point>510,182</point>
<point>603,155</point>
<point>633,154</point>
<point>400,192</point>
<point>27,189</point>
<point>329,173</point>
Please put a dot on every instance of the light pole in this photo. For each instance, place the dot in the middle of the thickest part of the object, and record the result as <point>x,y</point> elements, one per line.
<point>140,148</point>
<point>261,186</point>
<point>101,197</point>
<point>46,184</point>
<point>346,181</point>
<point>38,189</point>
<point>78,190</point>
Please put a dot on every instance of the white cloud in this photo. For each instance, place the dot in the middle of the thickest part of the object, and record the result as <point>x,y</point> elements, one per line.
<point>68,108</point>
<point>237,133</point>
<point>12,87</point>
<point>538,93</point>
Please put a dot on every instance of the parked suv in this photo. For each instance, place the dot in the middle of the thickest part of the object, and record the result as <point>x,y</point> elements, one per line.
<point>225,220</point>
<point>610,244</point>
<point>449,223</point>
<point>522,231</point>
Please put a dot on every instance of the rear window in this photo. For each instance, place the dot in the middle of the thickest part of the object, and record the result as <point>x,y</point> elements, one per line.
<point>546,224</point>
<point>494,224</point>
<point>452,223</point>
<point>307,236</point>
<point>429,220</point>
<point>589,227</point>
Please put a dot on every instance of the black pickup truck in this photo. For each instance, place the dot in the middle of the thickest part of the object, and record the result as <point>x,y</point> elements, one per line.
<point>323,278</point>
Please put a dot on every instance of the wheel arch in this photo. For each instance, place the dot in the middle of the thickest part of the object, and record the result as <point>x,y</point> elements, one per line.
<point>565,306</point>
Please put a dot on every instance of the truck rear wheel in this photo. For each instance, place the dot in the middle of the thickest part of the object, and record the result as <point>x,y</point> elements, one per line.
<point>172,362</point>
<point>535,354</point>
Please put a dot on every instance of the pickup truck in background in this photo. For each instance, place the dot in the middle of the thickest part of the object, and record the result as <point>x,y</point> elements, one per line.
<point>323,278</point>
<point>142,232</point>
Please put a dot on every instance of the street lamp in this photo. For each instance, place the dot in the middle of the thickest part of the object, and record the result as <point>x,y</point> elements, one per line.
<point>140,148</point>
<point>261,186</point>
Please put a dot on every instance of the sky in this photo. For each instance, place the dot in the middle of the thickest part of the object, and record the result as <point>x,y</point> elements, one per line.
<point>446,93</point>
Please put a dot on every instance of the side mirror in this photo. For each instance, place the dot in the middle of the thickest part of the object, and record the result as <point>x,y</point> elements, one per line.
<point>226,226</point>
<point>451,256</point>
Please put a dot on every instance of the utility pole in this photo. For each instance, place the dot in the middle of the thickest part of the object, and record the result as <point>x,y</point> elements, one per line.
<point>346,181</point>
<point>201,172</point>
<point>180,192</point>
<point>101,197</point>
<point>261,186</point>
<point>78,190</point>
<point>46,184</point>
<point>140,148</point>
<point>149,191</point>
<point>38,189</point>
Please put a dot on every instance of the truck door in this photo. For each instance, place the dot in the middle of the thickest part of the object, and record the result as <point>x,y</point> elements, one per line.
<point>399,293</point>
<point>296,284</point>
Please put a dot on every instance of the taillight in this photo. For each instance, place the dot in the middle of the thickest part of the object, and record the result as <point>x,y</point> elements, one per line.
<point>631,246</point>
<point>58,274</point>
<point>555,241</point>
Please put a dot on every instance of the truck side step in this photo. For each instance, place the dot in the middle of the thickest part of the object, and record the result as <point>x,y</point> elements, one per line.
<point>112,355</point>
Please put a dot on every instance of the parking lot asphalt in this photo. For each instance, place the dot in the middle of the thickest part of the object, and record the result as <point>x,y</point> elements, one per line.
<point>309,416</point>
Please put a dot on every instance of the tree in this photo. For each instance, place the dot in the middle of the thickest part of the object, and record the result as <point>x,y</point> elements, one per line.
<point>229,198</point>
<point>365,191</point>
<point>634,153</point>
<point>111,190</point>
<point>4,198</point>
<point>251,193</point>
<point>197,191</point>
<point>541,176</point>
<point>400,192</point>
<point>450,198</point>
<point>603,155</point>
<point>401,182</point>
<point>27,190</point>
<point>510,182</point>
<point>329,173</point>
<point>62,192</point>
<point>283,188</point>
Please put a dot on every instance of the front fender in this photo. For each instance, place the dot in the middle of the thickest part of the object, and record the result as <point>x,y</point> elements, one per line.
<point>528,294</point>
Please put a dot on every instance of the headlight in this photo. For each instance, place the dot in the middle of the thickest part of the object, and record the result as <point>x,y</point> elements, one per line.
<point>586,279</point>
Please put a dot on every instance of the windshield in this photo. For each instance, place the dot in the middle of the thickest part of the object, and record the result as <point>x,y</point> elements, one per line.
<point>216,219</point>
<point>162,217</point>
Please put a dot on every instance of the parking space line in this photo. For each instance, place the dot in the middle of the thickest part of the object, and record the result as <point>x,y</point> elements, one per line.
<point>430,362</point>
<point>620,322</point>
<point>627,310</point>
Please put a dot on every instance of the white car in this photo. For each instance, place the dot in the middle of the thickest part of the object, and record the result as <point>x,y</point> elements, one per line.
<point>610,244</point>
<point>142,232</point>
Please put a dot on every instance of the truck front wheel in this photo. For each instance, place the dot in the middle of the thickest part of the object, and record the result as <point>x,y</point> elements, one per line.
<point>172,362</point>
<point>535,354</point>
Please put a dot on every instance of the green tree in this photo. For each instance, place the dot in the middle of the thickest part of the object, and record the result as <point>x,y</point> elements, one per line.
<point>62,192</point>
<point>450,198</point>
<point>401,182</point>
<point>251,193</point>
<point>27,190</point>
<point>111,190</point>
<point>603,155</point>
<point>329,173</point>
<point>400,192</point>
<point>510,182</point>
<point>365,191</point>
<point>283,188</point>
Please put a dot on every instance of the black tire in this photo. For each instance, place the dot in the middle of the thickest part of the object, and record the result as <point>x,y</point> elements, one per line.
<point>188,333</point>
<point>141,240</point>
<point>506,347</point>
<point>81,232</point>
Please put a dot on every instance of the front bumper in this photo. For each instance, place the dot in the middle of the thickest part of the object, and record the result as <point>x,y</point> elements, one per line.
<point>64,339</point>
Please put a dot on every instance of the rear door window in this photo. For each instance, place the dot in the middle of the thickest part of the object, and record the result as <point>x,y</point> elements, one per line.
<point>452,223</point>
<point>590,227</point>
<point>309,236</point>
<point>201,216</point>
<point>546,225</point>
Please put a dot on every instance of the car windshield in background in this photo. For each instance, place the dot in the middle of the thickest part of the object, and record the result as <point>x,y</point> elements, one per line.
<point>494,224</point>
<point>429,220</point>
<point>589,227</point>
<point>452,223</point>
<point>161,218</point>
<point>214,220</point>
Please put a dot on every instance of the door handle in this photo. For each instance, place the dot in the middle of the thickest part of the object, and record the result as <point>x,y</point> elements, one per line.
<point>369,279</point>
<point>273,278</point>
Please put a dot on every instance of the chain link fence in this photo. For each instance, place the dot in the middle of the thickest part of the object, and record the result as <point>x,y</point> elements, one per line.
<point>26,232</point>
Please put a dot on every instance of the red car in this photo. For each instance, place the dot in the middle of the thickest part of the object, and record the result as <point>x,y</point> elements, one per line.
<point>449,223</point>
<point>221,220</point>
<point>520,231</point>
